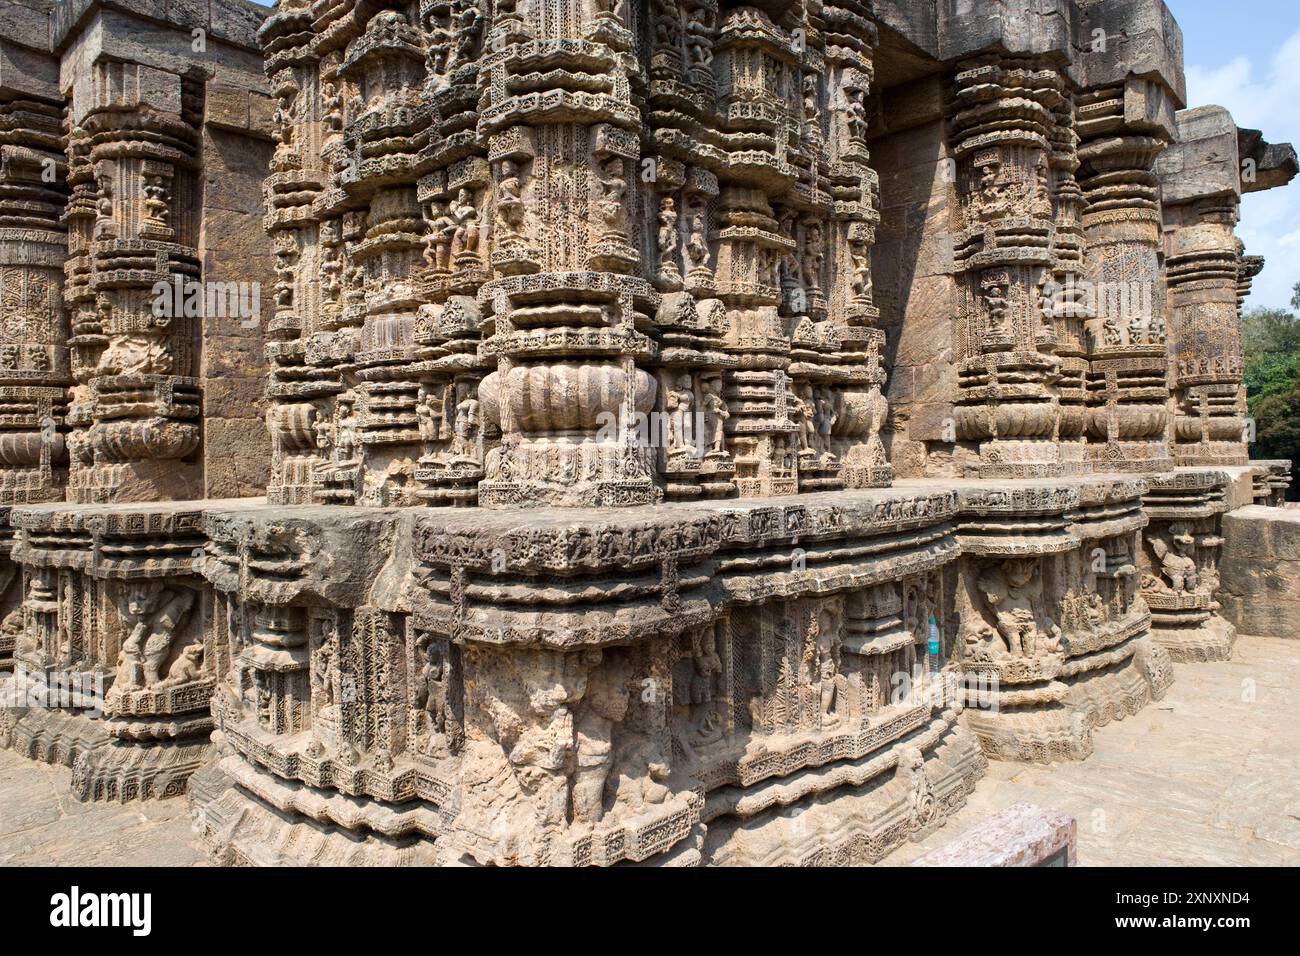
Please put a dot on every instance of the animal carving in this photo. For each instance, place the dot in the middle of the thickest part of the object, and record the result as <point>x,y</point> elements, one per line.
<point>187,667</point>
<point>1176,561</point>
<point>152,613</point>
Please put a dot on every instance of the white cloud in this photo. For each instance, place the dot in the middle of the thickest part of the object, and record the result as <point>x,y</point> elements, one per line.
<point>1263,97</point>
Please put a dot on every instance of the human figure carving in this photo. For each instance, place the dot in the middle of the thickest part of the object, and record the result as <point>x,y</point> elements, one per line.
<point>332,106</point>
<point>1136,328</point>
<point>602,707</point>
<point>804,413</point>
<point>698,721</point>
<point>426,416</point>
<point>156,197</point>
<point>511,215</point>
<point>469,25</point>
<point>467,428</point>
<point>431,694</point>
<point>814,256</point>
<point>811,110</point>
<point>715,414</point>
<point>826,417</point>
<point>697,246</point>
<point>856,116</point>
<point>464,241</point>
<point>1012,591</point>
<point>860,257</point>
<point>104,224</point>
<point>827,668</point>
<point>995,299</point>
<point>345,431</point>
<point>878,407</point>
<point>613,191</point>
<point>699,46</point>
<point>677,403</point>
<point>1111,332</point>
<point>669,240</point>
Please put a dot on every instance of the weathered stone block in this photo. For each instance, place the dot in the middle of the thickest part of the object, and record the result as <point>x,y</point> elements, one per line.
<point>1261,570</point>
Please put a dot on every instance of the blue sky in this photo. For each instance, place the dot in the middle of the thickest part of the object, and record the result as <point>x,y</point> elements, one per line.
<point>1245,56</point>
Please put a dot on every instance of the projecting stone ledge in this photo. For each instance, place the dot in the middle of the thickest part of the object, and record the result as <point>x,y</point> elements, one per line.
<point>1261,570</point>
<point>1021,835</point>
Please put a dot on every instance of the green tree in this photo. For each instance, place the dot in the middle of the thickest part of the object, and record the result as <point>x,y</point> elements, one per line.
<point>1271,373</point>
<point>1265,331</point>
<point>1277,426</point>
<point>1270,342</point>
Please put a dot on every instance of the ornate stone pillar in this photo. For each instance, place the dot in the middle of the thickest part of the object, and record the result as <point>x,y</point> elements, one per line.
<point>106,634</point>
<point>1123,128</point>
<point>773,243</point>
<point>1012,145</point>
<point>414,680</point>
<point>1204,274</point>
<point>847,372</point>
<point>1179,564</point>
<point>1056,637</point>
<point>1202,178</point>
<point>113,650</point>
<point>34,330</point>
<point>682,243</point>
<point>33,337</point>
<point>301,337</point>
<point>1063,298</point>
<point>136,407</point>
<point>567,312</point>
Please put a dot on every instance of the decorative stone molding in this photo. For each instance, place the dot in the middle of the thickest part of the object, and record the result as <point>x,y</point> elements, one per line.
<point>116,180</point>
<point>1052,616</point>
<point>1180,564</point>
<point>584,339</point>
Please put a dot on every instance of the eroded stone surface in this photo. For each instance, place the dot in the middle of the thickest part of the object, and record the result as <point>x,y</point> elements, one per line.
<point>597,336</point>
<point>1020,835</point>
<point>1261,575</point>
<point>1202,778</point>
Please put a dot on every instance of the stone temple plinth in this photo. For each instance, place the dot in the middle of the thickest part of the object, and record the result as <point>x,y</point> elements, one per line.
<point>668,433</point>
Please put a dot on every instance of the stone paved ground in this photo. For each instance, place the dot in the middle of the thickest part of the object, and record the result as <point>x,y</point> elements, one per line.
<point>42,823</point>
<point>1205,776</point>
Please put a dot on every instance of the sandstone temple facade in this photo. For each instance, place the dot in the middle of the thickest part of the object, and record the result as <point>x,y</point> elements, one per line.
<point>599,432</point>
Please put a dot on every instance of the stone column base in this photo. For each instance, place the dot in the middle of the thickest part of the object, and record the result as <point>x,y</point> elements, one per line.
<point>123,770</point>
<point>902,793</point>
<point>1040,735</point>
<point>1211,641</point>
<point>1098,688</point>
<point>51,736</point>
<point>247,817</point>
<point>840,815</point>
<point>103,767</point>
<point>1116,690</point>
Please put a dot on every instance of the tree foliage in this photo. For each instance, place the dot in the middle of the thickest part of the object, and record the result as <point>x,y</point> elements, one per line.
<point>1270,340</point>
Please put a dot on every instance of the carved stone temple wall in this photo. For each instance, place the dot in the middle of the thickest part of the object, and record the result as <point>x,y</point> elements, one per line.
<point>696,432</point>
<point>133,152</point>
